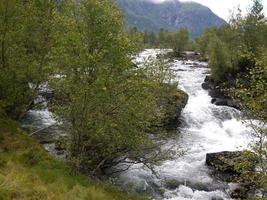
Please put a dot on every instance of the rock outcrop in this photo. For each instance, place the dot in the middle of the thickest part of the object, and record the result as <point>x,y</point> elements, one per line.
<point>172,106</point>
<point>230,167</point>
<point>219,96</point>
<point>231,163</point>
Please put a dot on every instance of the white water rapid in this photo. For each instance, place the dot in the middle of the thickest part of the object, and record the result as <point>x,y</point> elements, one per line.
<point>206,128</point>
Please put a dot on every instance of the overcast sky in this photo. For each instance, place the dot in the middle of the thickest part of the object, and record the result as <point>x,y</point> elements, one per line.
<point>223,7</point>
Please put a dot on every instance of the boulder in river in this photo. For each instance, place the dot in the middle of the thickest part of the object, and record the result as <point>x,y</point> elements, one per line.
<point>219,96</point>
<point>235,167</point>
<point>172,106</point>
<point>229,165</point>
<point>223,102</point>
<point>206,86</point>
<point>238,191</point>
<point>172,184</point>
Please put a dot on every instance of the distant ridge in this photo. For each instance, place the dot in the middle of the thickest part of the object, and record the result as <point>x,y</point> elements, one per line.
<point>147,15</point>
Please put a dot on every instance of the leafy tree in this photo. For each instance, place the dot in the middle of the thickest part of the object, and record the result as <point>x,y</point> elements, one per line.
<point>137,36</point>
<point>180,40</point>
<point>162,38</point>
<point>152,38</point>
<point>25,37</point>
<point>219,59</point>
<point>146,37</point>
<point>107,104</point>
<point>252,100</point>
<point>237,57</point>
<point>203,42</point>
<point>243,38</point>
<point>252,27</point>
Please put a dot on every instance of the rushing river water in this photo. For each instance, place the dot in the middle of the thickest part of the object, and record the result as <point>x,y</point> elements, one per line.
<point>206,128</point>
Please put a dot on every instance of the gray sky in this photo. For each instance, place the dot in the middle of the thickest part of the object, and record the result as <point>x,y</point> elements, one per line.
<point>223,7</point>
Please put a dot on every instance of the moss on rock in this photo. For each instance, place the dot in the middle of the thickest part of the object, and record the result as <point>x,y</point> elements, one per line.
<point>172,105</point>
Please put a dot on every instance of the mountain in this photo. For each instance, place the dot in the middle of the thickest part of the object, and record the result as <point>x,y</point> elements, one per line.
<point>147,15</point>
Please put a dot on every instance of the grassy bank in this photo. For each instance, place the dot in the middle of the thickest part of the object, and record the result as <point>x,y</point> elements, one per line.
<point>29,172</point>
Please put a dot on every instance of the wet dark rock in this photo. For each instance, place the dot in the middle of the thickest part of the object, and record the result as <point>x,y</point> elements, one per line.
<point>179,70</point>
<point>225,163</point>
<point>219,96</point>
<point>172,184</point>
<point>207,79</point>
<point>60,152</point>
<point>216,93</point>
<point>48,95</point>
<point>206,86</point>
<point>230,103</point>
<point>245,191</point>
<point>230,166</point>
<point>219,102</point>
<point>223,102</point>
<point>173,107</point>
<point>190,55</point>
<point>239,192</point>
<point>187,55</point>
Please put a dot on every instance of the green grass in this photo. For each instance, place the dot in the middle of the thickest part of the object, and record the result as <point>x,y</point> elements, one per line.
<point>27,172</point>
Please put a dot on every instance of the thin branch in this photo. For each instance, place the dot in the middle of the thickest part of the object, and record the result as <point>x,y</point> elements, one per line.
<point>35,132</point>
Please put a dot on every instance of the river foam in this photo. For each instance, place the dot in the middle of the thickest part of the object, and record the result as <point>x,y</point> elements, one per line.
<point>206,128</point>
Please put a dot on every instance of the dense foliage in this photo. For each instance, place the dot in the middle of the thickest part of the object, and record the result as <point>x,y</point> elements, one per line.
<point>237,58</point>
<point>242,42</point>
<point>108,105</point>
<point>178,40</point>
<point>25,37</point>
<point>106,102</point>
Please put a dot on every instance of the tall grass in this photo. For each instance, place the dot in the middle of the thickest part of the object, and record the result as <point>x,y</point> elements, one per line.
<point>27,172</point>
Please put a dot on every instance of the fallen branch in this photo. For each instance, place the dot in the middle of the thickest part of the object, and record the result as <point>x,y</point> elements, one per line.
<point>31,134</point>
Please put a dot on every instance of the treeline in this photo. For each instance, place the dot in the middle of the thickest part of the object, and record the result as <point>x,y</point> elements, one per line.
<point>237,55</point>
<point>236,47</point>
<point>108,105</point>
<point>178,40</point>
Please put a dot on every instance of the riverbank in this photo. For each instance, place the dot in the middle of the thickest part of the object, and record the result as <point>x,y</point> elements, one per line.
<point>205,128</point>
<point>27,171</point>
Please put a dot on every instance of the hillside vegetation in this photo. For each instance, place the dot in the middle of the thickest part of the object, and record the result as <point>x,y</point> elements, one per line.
<point>170,15</point>
<point>237,56</point>
<point>28,172</point>
<point>109,107</point>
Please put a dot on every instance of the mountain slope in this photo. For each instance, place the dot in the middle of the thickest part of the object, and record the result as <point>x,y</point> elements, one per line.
<point>171,14</point>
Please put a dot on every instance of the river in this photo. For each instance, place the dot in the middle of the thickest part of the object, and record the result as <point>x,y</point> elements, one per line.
<point>205,128</point>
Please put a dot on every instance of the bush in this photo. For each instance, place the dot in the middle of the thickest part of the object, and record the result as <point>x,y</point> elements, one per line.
<point>31,157</point>
<point>219,60</point>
